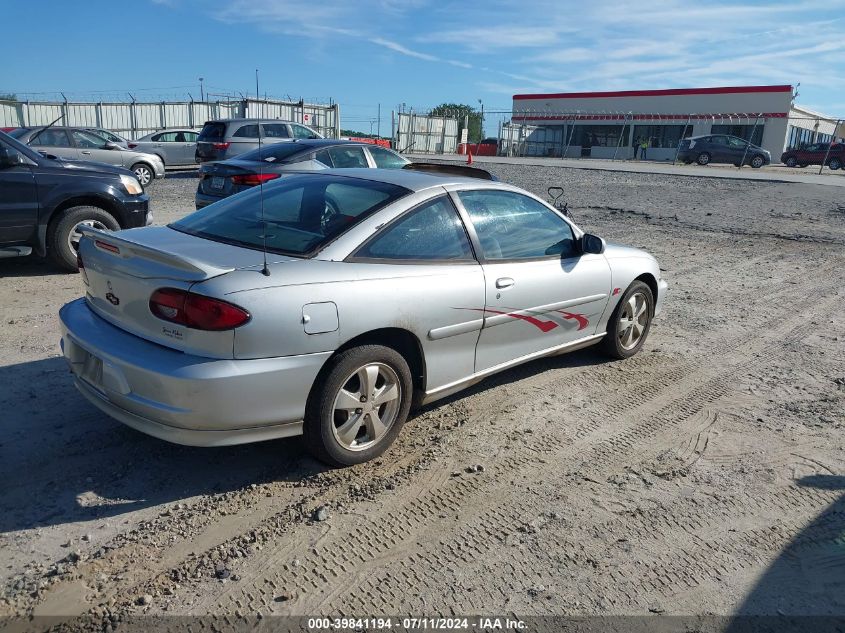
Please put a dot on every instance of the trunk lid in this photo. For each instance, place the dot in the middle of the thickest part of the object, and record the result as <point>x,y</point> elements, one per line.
<point>125,268</point>
<point>216,178</point>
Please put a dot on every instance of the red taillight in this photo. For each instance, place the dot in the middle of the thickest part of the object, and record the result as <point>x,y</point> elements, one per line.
<point>81,266</point>
<point>196,311</point>
<point>253,179</point>
<point>221,145</point>
<point>132,145</point>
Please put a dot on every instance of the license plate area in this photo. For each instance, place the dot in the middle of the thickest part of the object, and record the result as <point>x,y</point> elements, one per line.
<point>217,182</point>
<point>91,369</point>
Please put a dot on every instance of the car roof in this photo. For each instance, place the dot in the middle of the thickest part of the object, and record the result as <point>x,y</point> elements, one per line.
<point>253,120</point>
<point>409,178</point>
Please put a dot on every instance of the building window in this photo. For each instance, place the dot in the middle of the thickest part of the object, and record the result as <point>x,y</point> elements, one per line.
<point>745,132</point>
<point>600,135</point>
<point>661,135</point>
<point>799,137</point>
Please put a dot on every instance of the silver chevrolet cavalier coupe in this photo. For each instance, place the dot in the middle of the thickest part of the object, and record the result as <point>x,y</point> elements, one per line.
<point>326,304</point>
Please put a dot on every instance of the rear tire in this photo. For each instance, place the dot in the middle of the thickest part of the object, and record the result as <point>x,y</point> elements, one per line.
<point>63,233</point>
<point>703,159</point>
<point>791,162</point>
<point>144,173</point>
<point>630,322</point>
<point>358,405</point>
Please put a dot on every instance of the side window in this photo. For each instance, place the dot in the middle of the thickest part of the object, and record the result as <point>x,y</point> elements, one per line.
<point>385,159</point>
<point>191,137</point>
<point>246,131</point>
<point>167,137</point>
<point>736,142</point>
<point>51,138</point>
<point>274,130</point>
<point>300,131</point>
<point>324,157</point>
<point>87,140</point>
<point>347,157</point>
<point>513,226</point>
<point>719,140</point>
<point>432,231</point>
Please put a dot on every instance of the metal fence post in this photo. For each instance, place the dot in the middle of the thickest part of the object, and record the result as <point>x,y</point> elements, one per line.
<point>748,141</point>
<point>98,113</point>
<point>678,148</point>
<point>829,143</point>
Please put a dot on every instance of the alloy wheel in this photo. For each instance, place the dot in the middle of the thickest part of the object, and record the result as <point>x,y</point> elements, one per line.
<point>75,234</point>
<point>633,321</point>
<point>366,406</point>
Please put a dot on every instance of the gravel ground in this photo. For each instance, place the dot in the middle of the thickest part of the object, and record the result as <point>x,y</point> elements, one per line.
<point>703,476</point>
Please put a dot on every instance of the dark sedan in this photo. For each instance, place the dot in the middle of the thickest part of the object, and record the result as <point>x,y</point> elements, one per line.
<point>831,154</point>
<point>722,148</point>
<point>221,179</point>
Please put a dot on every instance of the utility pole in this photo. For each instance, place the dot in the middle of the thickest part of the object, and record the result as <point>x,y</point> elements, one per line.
<point>378,130</point>
<point>202,95</point>
<point>482,119</point>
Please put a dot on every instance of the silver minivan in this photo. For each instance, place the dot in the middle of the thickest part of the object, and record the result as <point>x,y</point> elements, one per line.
<point>226,138</point>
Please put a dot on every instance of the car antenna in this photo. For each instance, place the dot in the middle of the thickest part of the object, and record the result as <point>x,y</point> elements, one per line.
<point>264,271</point>
<point>556,193</point>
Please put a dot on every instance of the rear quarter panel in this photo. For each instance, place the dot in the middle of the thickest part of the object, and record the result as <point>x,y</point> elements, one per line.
<point>415,298</point>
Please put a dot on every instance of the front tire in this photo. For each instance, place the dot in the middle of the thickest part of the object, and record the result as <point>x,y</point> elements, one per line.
<point>144,173</point>
<point>758,161</point>
<point>358,406</point>
<point>630,322</point>
<point>63,233</point>
<point>835,163</point>
<point>703,158</point>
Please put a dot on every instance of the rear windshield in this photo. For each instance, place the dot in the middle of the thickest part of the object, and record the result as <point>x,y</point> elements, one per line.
<point>275,152</point>
<point>301,213</point>
<point>212,131</point>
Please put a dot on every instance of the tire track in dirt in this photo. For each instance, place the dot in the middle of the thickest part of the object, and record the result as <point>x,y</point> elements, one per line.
<point>588,378</point>
<point>319,565</point>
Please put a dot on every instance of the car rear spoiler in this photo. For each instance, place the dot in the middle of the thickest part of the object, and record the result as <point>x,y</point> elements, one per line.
<point>159,263</point>
<point>451,170</point>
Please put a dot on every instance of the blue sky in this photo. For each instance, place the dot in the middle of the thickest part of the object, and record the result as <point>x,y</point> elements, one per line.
<point>420,52</point>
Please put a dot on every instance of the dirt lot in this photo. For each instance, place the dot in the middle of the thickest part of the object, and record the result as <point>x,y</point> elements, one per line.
<point>703,476</point>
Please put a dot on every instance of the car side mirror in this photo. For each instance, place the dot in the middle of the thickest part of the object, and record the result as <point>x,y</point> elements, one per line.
<point>10,158</point>
<point>592,244</point>
<point>111,145</point>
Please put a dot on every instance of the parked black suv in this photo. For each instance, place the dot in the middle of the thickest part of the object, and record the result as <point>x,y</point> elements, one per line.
<point>45,199</point>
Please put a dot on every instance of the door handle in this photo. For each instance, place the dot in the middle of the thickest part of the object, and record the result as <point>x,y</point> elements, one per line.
<point>504,282</point>
<point>85,151</point>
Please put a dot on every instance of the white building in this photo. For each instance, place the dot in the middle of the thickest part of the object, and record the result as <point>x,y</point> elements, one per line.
<point>607,124</point>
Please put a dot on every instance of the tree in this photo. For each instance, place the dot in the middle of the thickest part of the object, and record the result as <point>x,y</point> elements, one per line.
<point>8,97</point>
<point>461,112</point>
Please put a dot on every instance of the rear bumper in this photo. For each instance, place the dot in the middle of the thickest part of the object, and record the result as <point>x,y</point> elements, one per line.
<point>183,398</point>
<point>203,199</point>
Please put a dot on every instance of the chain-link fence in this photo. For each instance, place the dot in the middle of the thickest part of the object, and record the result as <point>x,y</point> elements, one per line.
<point>134,119</point>
<point>617,135</point>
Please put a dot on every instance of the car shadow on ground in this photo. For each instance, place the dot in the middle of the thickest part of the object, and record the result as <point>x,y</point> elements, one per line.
<point>65,461</point>
<point>802,590</point>
<point>180,173</point>
<point>30,266</point>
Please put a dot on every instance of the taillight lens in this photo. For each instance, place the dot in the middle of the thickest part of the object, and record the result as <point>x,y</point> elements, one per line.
<point>253,179</point>
<point>132,145</point>
<point>196,311</point>
<point>81,266</point>
<point>221,145</point>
